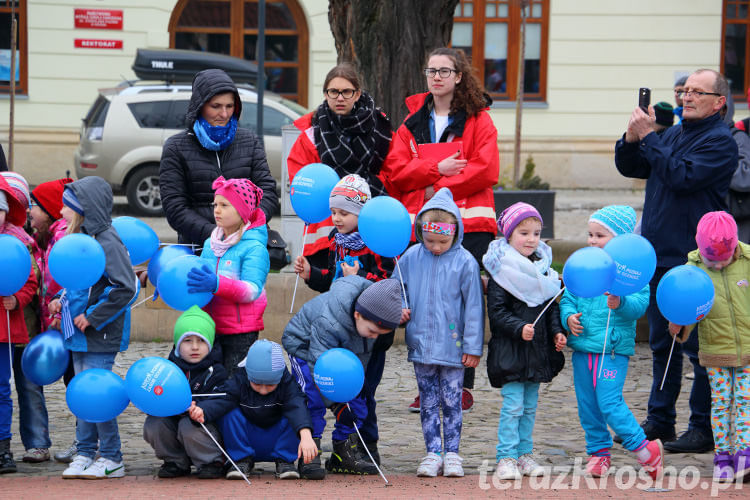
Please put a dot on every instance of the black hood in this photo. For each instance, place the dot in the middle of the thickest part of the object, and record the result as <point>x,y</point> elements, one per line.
<point>207,84</point>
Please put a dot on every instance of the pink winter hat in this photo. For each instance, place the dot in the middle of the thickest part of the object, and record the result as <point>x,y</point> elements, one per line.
<point>513,215</point>
<point>244,196</point>
<point>716,236</point>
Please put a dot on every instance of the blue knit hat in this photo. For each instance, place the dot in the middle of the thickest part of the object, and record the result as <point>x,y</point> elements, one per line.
<point>264,363</point>
<point>70,200</point>
<point>617,219</point>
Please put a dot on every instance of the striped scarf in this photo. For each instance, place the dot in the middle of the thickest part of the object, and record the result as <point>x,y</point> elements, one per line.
<point>351,241</point>
<point>66,319</point>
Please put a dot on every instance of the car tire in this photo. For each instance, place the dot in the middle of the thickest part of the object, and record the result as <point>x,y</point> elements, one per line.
<point>142,190</point>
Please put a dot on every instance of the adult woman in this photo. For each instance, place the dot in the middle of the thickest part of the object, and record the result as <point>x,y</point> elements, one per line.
<point>453,110</point>
<point>348,133</point>
<point>211,146</point>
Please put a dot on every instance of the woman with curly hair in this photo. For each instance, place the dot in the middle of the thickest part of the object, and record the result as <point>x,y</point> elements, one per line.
<point>453,110</point>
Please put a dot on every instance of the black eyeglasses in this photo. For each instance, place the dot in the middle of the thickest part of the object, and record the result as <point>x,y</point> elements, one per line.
<point>443,72</point>
<point>335,93</point>
<point>695,93</point>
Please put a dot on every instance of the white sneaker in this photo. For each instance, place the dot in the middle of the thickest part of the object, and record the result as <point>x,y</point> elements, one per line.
<point>104,468</point>
<point>528,466</point>
<point>431,466</point>
<point>452,465</point>
<point>76,467</point>
<point>507,469</point>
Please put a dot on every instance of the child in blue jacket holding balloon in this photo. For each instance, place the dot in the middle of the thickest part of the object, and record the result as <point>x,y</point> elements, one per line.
<point>95,320</point>
<point>348,255</point>
<point>236,268</point>
<point>176,440</point>
<point>352,315</point>
<point>599,377</point>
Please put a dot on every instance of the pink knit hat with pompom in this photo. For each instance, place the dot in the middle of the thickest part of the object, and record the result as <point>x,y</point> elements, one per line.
<point>716,236</point>
<point>245,198</point>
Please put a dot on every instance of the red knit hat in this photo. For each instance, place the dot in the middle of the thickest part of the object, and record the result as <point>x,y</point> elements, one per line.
<point>245,198</point>
<point>16,211</point>
<point>48,195</point>
<point>716,236</point>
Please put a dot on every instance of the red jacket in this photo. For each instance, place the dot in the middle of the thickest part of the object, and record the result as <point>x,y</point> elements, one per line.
<point>406,175</point>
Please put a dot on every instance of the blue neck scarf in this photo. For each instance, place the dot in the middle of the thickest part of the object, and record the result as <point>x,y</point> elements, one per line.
<point>214,138</point>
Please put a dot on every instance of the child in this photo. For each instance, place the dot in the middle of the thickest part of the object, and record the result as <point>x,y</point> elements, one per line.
<point>96,321</point>
<point>237,269</point>
<point>724,341</point>
<point>49,226</point>
<point>12,219</point>
<point>446,329</point>
<point>263,416</point>
<point>521,355</point>
<point>600,401</point>
<point>352,314</point>
<point>346,200</point>
<point>347,255</point>
<point>176,440</point>
<point>33,421</point>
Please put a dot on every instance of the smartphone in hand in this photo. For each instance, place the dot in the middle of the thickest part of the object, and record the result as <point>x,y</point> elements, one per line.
<point>644,98</point>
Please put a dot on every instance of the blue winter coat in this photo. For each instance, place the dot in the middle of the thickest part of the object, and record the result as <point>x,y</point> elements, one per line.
<point>621,335</point>
<point>106,303</point>
<point>327,321</point>
<point>445,297</point>
<point>688,170</point>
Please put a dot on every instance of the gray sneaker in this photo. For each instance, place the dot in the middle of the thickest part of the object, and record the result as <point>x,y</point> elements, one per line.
<point>66,456</point>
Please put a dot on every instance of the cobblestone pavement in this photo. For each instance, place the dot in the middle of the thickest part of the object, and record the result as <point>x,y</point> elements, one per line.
<point>558,435</point>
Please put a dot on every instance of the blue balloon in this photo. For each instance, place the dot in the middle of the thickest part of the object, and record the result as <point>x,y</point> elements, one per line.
<point>161,257</point>
<point>45,359</point>
<point>589,272</point>
<point>310,190</point>
<point>77,261</point>
<point>172,284</point>
<point>635,262</point>
<point>685,294</point>
<point>157,387</point>
<point>15,265</point>
<point>138,237</point>
<point>339,375</point>
<point>385,226</point>
<point>96,395</point>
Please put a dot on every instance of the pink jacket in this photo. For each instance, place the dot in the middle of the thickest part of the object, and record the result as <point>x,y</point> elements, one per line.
<point>48,287</point>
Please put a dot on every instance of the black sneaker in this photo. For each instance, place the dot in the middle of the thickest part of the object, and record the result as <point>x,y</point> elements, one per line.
<point>691,441</point>
<point>245,465</point>
<point>7,464</point>
<point>169,470</point>
<point>286,470</point>
<point>211,471</point>
<point>347,458</point>
<point>314,470</point>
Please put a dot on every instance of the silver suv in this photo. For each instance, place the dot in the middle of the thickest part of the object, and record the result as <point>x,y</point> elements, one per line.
<point>124,131</point>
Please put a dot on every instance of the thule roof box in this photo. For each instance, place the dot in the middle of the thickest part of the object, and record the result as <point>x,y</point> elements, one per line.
<point>176,65</point>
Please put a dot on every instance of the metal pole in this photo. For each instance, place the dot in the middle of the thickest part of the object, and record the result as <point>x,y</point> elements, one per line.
<point>261,47</point>
<point>12,78</point>
<point>519,94</point>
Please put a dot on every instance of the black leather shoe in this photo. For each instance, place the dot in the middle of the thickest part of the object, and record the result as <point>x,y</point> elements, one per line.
<point>170,469</point>
<point>652,432</point>
<point>691,441</point>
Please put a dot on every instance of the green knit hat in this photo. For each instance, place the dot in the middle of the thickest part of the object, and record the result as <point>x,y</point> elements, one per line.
<point>194,321</point>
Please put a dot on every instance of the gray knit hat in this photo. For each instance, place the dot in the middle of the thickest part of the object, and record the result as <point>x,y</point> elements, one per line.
<point>381,303</point>
<point>264,363</point>
<point>350,194</point>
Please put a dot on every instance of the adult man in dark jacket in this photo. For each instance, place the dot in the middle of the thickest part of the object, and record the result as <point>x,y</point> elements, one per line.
<point>688,170</point>
<point>188,168</point>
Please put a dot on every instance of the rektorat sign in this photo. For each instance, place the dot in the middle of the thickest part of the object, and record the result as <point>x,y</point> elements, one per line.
<point>85,43</point>
<point>102,19</point>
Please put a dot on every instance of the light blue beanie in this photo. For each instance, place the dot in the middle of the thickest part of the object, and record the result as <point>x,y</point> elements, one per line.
<point>265,362</point>
<point>617,219</point>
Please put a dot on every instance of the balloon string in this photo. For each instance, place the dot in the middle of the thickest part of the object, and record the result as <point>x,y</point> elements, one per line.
<point>225,453</point>
<point>296,281</point>
<point>547,306</point>
<point>365,447</point>
<point>669,358</point>
<point>141,302</point>
<point>403,289</point>
<point>10,348</point>
<point>604,349</point>
<point>213,394</point>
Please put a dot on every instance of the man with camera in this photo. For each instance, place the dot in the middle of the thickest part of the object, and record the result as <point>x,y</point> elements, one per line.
<point>688,169</point>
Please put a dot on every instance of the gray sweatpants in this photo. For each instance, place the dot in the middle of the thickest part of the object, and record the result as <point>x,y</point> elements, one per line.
<point>179,441</point>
